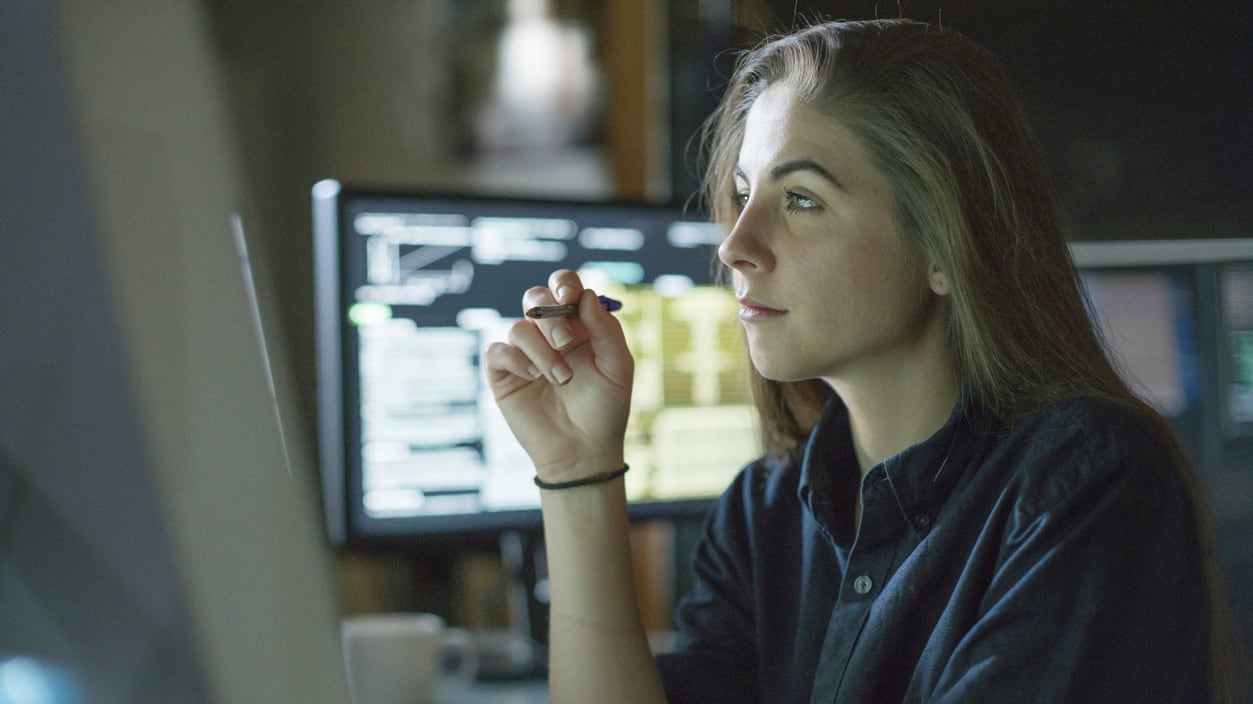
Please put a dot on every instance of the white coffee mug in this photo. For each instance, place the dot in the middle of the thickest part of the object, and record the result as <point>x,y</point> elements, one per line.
<point>396,658</point>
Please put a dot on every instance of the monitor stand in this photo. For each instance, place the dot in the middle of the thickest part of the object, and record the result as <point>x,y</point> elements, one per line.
<point>520,651</point>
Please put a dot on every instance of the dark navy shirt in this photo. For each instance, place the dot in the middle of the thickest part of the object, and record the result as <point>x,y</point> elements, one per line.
<point>1052,559</point>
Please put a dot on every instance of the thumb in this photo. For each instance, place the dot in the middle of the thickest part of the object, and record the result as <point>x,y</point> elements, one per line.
<point>607,338</point>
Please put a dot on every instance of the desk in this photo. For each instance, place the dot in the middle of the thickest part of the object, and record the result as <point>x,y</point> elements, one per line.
<point>520,692</point>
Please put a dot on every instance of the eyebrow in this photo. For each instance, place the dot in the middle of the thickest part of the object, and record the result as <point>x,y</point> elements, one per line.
<point>794,165</point>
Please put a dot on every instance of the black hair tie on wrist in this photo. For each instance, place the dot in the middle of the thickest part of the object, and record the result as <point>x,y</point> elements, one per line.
<point>585,481</point>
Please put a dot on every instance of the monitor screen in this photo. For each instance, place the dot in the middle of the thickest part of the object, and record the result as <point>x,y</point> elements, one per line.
<point>410,291</point>
<point>1147,322</point>
<point>1177,318</point>
<point>1236,294</point>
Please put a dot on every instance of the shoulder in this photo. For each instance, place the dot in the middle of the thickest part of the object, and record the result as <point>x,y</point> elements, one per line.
<point>762,495</point>
<point>766,484</point>
<point>1064,450</point>
<point>1088,426</point>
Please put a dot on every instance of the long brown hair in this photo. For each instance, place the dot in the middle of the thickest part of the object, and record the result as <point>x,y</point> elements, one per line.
<point>940,121</point>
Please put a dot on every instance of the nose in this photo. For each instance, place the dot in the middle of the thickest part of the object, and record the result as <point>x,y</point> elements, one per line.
<point>746,248</point>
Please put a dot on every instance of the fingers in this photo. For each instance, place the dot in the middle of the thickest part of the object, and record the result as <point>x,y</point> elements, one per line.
<point>536,347</point>
<point>530,343</point>
<point>607,337</point>
<point>503,360</point>
<point>556,330</point>
<point>564,286</point>
<point>526,357</point>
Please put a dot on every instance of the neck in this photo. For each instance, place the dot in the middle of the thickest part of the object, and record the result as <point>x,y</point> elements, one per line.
<point>890,412</point>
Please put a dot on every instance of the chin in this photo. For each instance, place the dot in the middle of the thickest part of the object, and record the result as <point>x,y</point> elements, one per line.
<point>779,372</point>
<point>779,361</point>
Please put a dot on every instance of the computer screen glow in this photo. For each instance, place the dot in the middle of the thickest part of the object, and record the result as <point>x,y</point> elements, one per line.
<point>423,284</point>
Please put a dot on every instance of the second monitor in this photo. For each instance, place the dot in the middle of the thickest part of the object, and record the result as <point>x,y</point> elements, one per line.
<point>412,288</point>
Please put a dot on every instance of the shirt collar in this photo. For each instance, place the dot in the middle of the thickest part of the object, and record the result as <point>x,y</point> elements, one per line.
<point>829,473</point>
<point>921,476</point>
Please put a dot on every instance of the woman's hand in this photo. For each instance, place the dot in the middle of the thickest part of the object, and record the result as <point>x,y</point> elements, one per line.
<point>564,384</point>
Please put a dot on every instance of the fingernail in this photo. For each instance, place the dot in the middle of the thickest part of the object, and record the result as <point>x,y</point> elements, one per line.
<point>564,292</point>
<point>562,373</point>
<point>562,336</point>
<point>534,372</point>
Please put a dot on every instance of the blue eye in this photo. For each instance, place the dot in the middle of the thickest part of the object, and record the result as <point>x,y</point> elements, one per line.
<point>798,202</point>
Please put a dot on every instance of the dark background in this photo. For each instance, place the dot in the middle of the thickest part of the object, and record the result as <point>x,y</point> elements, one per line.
<point>1143,108</point>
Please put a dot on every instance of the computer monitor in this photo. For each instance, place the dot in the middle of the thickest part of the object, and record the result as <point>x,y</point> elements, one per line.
<point>159,542</point>
<point>1177,317</point>
<point>411,288</point>
<point>1148,322</point>
<point>1236,366</point>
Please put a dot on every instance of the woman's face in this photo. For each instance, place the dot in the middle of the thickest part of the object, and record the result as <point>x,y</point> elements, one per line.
<point>828,287</point>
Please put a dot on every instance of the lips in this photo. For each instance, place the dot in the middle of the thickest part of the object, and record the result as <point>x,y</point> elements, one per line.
<point>753,309</point>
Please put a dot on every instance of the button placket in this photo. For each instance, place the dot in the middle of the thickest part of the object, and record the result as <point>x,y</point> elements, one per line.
<point>866,557</point>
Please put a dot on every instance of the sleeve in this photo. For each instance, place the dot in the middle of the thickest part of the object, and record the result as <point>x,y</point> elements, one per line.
<point>1098,593</point>
<point>714,656</point>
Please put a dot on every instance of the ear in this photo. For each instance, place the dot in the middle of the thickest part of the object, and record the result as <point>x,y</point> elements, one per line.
<point>938,281</point>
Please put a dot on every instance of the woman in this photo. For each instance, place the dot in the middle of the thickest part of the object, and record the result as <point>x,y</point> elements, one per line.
<point>960,500</point>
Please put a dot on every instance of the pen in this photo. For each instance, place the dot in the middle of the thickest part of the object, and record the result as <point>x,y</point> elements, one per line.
<point>570,309</point>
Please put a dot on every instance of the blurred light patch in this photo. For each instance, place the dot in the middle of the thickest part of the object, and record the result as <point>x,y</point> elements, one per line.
<point>627,239</point>
<point>369,314</point>
<point>673,285</point>
<point>26,680</point>
<point>694,234</point>
<point>625,273</point>
<point>478,318</point>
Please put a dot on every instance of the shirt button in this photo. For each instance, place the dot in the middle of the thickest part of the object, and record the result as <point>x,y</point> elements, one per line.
<point>923,520</point>
<point>863,584</point>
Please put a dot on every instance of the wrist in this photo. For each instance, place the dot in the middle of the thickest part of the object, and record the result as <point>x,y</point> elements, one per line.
<point>578,468</point>
<point>589,480</point>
